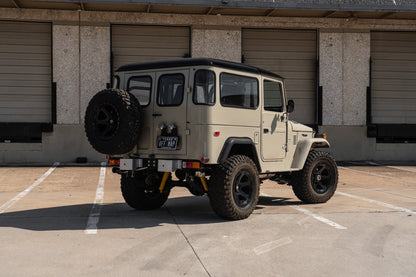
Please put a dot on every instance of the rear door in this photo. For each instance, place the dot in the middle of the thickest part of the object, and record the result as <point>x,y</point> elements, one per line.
<point>141,86</point>
<point>169,112</point>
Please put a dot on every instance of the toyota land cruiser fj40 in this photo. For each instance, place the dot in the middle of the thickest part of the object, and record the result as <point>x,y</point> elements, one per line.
<point>220,127</point>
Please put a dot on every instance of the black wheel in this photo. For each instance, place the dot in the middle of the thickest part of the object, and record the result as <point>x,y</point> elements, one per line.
<point>142,191</point>
<point>317,181</point>
<point>112,121</point>
<point>234,188</point>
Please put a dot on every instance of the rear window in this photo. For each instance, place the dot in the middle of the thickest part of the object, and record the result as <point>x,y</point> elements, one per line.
<point>170,90</point>
<point>239,91</point>
<point>140,87</point>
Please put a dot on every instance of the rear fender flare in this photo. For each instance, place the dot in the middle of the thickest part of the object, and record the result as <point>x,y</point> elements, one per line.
<point>233,141</point>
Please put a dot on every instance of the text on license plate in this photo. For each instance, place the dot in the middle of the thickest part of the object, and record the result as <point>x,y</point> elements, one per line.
<point>170,143</point>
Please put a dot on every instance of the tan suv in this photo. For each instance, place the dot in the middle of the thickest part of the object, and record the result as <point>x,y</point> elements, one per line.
<point>220,127</point>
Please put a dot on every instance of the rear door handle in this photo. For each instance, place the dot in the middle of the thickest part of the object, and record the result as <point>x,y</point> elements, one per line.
<point>157,114</point>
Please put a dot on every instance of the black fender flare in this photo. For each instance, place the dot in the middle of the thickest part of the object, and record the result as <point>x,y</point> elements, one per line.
<point>232,141</point>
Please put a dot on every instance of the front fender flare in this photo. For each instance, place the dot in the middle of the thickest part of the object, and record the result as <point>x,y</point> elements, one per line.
<point>302,150</point>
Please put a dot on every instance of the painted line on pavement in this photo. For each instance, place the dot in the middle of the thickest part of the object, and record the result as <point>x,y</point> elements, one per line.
<point>269,246</point>
<point>311,214</point>
<point>377,202</point>
<point>378,175</point>
<point>95,212</point>
<point>11,202</point>
<point>394,167</point>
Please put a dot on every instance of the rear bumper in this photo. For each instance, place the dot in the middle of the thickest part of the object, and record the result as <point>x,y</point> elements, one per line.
<point>160,165</point>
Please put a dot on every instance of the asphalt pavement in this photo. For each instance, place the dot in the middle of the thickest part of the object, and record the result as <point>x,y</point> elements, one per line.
<point>72,221</point>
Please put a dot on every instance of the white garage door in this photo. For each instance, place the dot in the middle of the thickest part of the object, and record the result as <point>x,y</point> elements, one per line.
<point>393,85</point>
<point>132,44</point>
<point>25,72</point>
<point>291,54</point>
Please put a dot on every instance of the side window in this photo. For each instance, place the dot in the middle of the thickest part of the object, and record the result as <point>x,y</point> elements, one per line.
<point>204,87</point>
<point>273,100</point>
<point>141,87</point>
<point>170,90</point>
<point>239,91</point>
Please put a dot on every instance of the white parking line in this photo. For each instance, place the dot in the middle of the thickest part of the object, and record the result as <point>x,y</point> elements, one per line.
<point>269,246</point>
<point>400,168</point>
<point>95,212</point>
<point>11,202</point>
<point>394,167</point>
<point>377,202</point>
<point>379,175</point>
<point>311,214</point>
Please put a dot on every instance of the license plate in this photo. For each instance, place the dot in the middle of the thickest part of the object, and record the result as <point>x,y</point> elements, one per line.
<point>168,143</point>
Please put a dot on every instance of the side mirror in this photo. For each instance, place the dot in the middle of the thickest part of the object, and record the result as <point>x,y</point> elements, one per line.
<point>290,106</point>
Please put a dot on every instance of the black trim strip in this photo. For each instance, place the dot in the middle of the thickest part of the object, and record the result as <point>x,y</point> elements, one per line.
<point>319,105</point>
<point>368,112</point>
<point>369,95</point>
<point>53,103</point>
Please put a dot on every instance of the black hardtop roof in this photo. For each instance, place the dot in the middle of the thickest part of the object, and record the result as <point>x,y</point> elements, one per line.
<point>195,62</point>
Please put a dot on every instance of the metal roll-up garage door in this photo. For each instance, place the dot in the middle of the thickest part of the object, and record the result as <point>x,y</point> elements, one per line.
<point>393,77</point>
<point>131,44</point>
<point>25,72</point>
<point>291,54</point>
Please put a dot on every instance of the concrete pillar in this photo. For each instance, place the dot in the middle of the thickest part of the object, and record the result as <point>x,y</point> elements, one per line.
<point>222,44</point>
<point>344,76</point>
<point>66,72</point>
<point>356,77</point>
<point>95,63</point>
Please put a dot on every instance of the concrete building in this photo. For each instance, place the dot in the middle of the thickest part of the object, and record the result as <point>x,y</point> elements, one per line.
<point>349,65</point>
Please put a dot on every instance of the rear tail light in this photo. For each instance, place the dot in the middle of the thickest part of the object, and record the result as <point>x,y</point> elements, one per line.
<point>192,165</point>
<point>113,162</point>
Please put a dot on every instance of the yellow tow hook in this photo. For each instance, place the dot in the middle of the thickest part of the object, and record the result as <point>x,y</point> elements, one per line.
<point>204,183</point>
<point>163,183</point>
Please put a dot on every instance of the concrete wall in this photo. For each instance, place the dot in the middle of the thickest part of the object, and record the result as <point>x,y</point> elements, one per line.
<point>66,60</point>
<point>81,67</point>
<point>95,63</point>
<point>344,76</point>
<point>216,43</point>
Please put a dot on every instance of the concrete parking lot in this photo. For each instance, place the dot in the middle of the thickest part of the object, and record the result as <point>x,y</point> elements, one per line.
<point>72,221</point>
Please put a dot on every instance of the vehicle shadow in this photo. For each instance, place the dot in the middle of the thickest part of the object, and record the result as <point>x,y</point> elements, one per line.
<point>180,210</point>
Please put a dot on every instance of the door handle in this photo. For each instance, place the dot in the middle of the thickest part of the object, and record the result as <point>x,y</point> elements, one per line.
<point>157,114</point>
<point>265,131</point>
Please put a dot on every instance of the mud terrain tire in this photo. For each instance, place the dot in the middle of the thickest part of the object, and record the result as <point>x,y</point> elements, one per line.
<point>113,121</point>
<point>142,195</point>
<point>317,181</point>
<point>234,188</point>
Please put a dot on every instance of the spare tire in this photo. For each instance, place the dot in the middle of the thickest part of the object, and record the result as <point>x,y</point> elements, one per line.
<point>113,121</point>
